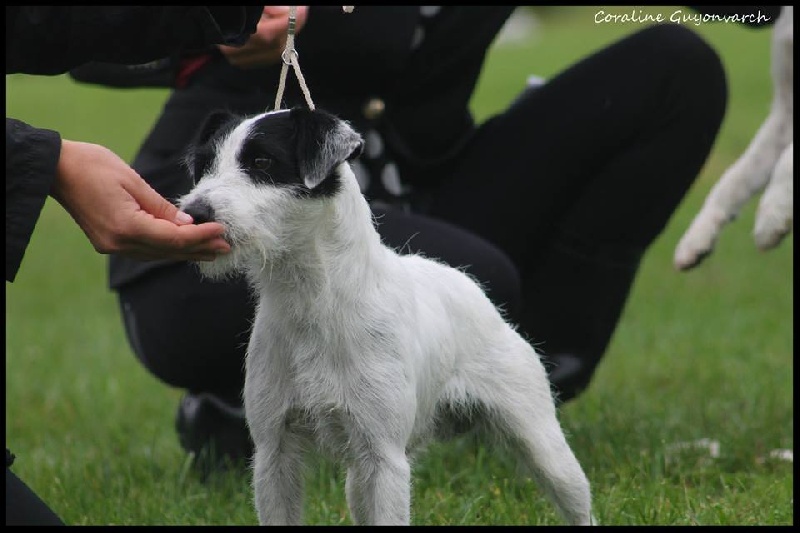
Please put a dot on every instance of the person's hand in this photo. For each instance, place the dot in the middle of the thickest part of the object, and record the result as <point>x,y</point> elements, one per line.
<point>121,214</point>
<point>266,45</point>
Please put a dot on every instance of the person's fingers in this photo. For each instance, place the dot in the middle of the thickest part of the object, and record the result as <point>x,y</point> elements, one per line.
<point>278,17</point>
<point>191,239</point>
<point>274,28</point>
<point>155,204</point>
<point>276,11</point>
<point>266,45</point>
<point>148,234</point>
<point>283,11</point>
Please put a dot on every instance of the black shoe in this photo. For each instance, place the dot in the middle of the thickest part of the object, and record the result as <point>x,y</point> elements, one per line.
<point>568,375</point>
<point>214,431</point>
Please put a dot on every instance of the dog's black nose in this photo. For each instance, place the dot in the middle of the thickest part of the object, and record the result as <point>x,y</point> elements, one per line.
<point>200,211</point>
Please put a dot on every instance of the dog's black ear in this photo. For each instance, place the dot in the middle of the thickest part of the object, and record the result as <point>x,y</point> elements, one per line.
<point>198,154</point>
<point>323,142</point>
<point>212,124</point>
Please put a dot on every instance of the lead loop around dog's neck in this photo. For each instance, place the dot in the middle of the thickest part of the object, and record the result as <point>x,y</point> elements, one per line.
<point>289,56</point>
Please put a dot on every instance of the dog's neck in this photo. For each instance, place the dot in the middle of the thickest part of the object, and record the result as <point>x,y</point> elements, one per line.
<point>335,250</point>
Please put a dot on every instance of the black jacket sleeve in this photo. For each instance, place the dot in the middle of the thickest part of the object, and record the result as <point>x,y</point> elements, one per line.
<point>52,40</point>
<point>31,159</point>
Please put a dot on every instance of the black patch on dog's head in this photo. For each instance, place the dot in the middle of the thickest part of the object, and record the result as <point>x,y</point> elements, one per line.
<point>201,154</point>
<point>299,148</point>
<point>268,155</point>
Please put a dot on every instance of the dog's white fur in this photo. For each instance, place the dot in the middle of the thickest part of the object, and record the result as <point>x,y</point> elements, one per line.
<point>362,351</point>
<point>767,164</point>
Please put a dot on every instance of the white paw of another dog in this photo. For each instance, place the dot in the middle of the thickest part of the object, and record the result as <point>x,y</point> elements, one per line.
<point>775,215</point>
<point>699,239</point>
<point>766,165</point>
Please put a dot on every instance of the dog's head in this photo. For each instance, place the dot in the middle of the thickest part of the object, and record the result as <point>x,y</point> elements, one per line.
<point>254,175</point>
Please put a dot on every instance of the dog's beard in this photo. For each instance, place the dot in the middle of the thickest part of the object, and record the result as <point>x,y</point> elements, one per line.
<point>250,256</point>
<point>253,244</point>
<point>222,268</point>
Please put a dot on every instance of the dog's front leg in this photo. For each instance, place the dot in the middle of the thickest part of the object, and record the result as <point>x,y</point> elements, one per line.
<point>356,502</point>
<point>278,474</point>
<point>378,486</point>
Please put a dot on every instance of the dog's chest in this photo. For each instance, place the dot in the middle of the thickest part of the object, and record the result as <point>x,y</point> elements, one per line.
<point>318,364</point>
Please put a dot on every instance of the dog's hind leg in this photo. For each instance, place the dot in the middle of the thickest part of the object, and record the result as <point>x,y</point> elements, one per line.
<point>519,404</point>
<point>278,471</point>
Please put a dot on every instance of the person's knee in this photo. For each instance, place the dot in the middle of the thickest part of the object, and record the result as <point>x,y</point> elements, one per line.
<point>690,57</point>
<point>686,46</point>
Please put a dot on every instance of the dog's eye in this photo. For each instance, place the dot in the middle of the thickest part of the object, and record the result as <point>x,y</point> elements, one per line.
<point>262,163</point>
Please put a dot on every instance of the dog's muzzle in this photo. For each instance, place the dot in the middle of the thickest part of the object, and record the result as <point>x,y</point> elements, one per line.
<point>200,211</point>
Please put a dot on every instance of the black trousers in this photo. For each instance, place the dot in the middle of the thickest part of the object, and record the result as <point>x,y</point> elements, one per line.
<point>23,506</point>
<point>551,206</point>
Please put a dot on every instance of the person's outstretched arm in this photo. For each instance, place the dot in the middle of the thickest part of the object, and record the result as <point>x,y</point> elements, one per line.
<point>118,211</point>
<point>122,215</point>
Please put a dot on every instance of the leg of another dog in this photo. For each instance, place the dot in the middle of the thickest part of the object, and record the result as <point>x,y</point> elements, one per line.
<point>378,487</point>
<point>278,470</point>
<point>752,172</point>
<point>519,403</point>
<point>776,209</point>
<point>743,180</point>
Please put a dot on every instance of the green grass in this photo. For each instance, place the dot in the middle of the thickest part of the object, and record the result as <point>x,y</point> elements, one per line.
<point>704,354</point>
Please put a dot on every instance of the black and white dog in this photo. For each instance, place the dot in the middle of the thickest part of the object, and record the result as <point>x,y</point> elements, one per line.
<point>767,164</point>
<point>356,349</point>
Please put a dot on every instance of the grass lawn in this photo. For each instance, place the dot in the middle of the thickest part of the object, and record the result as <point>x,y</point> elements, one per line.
<point>699,355</point>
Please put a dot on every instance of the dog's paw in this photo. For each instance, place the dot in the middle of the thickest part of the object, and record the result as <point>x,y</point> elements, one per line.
<point>775,215</point>
<point>770,232</point>
<point>698,241</point>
